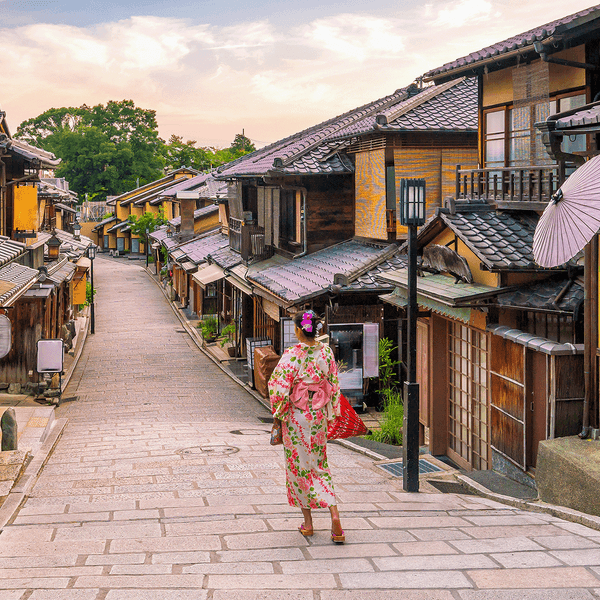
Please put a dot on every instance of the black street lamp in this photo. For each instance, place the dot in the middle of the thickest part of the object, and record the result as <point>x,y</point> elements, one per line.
<point>147,244</point>
<point>92,256</point>
<point>76,230</point>
<point>412,215</point>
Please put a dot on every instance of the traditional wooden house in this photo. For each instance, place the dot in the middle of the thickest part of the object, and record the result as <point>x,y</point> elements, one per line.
<point>496,370</point>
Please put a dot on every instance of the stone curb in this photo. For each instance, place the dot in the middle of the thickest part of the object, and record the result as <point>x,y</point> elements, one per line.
<point>18,493</point>
<point>562,512</point>
<point>79,350</point>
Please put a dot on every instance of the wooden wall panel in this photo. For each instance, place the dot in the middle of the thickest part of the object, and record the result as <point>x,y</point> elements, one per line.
<point>569,376</point>
<point>508,396</point>
<point>507,359</point>
<point>465,157</point>
<point>508,436</point>
<point>370,194</point>
<point>423,163</point>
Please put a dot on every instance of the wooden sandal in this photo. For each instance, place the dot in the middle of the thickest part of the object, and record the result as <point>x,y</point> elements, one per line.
<point>338,539</point>
<point>305,532</point>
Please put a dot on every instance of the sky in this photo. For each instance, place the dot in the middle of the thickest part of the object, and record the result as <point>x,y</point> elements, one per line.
<point>211,69</point>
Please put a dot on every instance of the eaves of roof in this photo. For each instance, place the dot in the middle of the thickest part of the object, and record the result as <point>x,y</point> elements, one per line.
<point>519,45</point>
<point>153,185</point>
<point>34,155</point>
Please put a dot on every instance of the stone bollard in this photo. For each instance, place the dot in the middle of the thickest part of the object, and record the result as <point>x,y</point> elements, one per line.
<point>8,424</point>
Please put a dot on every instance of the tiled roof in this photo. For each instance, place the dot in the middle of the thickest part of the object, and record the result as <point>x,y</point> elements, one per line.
<point>206,186</point>
<point>308,151</point>
<point>62,272</point>
<point>198,214</point>
<point>370,282</point>
<point>35,155</point>
<point>69,245</point>
<point>225,257</point>
<point>521,41</point>
<point>312,275</point>
<point>588,116</point>
<point>198,249</point>
<point>448,107</point>
<point>542,295</point>
<point>501,240</point>
<point>14,277</point>
<point>104,222</point>
<point>9,249</point>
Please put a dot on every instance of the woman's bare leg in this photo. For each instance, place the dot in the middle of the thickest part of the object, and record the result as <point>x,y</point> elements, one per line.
<point>336,526</point>
<point>308,524</point>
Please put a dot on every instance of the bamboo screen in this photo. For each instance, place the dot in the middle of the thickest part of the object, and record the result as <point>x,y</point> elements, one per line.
<point>370,195</point>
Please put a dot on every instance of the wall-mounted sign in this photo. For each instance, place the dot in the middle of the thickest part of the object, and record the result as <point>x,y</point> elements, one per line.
<point>5,336</point>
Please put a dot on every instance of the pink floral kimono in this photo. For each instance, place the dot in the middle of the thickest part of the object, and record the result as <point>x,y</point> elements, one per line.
<point>305,394</point>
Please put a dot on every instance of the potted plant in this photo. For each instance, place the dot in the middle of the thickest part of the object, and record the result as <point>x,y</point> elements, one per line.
<point>227,334</point>
<point>209,327</point>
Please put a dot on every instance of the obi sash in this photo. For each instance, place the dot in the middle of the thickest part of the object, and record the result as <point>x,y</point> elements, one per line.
<point>322,394</point>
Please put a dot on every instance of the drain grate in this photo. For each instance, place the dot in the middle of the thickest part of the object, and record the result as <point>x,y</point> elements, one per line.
<point>451,487</point>
<point>397,470</point>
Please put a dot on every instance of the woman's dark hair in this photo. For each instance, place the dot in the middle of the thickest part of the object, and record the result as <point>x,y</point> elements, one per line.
<point>308,321</point>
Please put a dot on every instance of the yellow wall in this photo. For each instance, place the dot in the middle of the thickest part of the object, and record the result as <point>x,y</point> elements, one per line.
<point>370,195</point>
<point>209,222</point>
<point>479,275</point>
<point>498,85</point>
<point>122,212</point>
<point>26,215</point>
<point>78,293</point>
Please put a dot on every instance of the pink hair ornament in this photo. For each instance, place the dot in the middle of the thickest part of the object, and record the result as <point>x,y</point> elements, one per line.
<point>306,322</point>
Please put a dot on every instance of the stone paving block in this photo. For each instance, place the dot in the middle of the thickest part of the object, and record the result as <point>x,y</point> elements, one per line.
<point>277,554</point>
<point>578,557</point>
<point>565,542</point>
<point>350,550</point>
<point>405,580</point>
<point>115,559</point>
<point>170,544</point>
<point>434,563</point>
<point>109,531</point>
<point>180,558</point>
<point>520,544</point>
<point>506,520</point>
<point>63,595</point>
<point>41,572</point>
<point>523,594</point>
<point>576,528</point>
<point>512,531</point>
<point>23,535</point>
<point>428,535</point>
<point>386,595</point>
<point>222,527</point>
<point>26,562</point>
<point>417,522</point>
<point>205,511</point>
<point>134,515</point>
<point>523,560</point>
<point>424,548</point>
<point>12,594</point>
<point>565,577</point>
<point>157,594</point>
<point>140,570</point>
<point>270,582</point>
<point>333,565</point>
<point>244,568</point>
<point>141,581</point>
<point>262,595</point>
<point>52,548</point>
<point>265,540</point>
<point>62,518</point>
<point>106,505</point>
<point>34,583</point>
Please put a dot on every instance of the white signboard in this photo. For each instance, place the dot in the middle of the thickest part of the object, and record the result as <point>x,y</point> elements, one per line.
<point>50,356</point>
<point>5,336</point>
<point>371,349</point>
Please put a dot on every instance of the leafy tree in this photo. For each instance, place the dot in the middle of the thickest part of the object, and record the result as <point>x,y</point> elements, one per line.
<point>242,145</point>
<point>104,149</point>
<point>149,221</point>
<point>178,153</point>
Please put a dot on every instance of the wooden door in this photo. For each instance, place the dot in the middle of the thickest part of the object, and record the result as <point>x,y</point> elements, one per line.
<point>536,408</point>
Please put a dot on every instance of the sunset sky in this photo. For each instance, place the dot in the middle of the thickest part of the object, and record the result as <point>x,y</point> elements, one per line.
<point>211,69</point>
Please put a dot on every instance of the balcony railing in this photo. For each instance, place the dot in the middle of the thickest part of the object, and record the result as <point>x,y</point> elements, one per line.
<point>248,240</point>
<point>527,188</point>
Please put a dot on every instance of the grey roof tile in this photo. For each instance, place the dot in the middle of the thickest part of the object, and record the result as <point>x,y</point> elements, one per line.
<point>225,257</point>
<point>542,295</point>
<point>198,249</point>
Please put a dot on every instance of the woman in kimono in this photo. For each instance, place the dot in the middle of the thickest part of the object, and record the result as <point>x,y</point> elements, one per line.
<point>305,394</point>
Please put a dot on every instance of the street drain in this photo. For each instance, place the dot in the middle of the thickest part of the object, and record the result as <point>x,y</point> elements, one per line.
<point>396,468</point>
<point>207,450</point>
<point>249,432</point>
<point>451,487</point>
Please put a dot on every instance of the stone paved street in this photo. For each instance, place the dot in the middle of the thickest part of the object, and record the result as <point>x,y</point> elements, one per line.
<point>164,487</point>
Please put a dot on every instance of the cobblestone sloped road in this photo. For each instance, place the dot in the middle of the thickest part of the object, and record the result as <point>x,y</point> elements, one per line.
<point>164,487</point>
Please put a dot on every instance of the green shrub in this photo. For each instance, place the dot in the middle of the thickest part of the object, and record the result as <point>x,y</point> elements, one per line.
<point>388,379</point>
<point>88,293</point>
<point>209,327</point>
<point>393,417</point>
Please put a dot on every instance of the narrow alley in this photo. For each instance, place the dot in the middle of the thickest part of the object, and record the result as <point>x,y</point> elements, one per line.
<point>164,486</point>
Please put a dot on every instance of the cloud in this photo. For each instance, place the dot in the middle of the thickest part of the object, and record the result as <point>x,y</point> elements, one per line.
<point>458,14</point>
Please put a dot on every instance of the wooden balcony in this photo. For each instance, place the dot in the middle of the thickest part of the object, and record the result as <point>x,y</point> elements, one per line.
<point>248,240</point>
<point>516,188</point>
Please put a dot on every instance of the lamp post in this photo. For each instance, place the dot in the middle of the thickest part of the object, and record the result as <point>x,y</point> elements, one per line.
<point>412,215</point>
<point>76,230</point>
<point>92,256</point>
<point>147,244</point>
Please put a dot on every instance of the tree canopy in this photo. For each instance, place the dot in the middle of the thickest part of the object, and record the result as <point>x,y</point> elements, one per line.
<point>109,149</point>
<point>149,221</point>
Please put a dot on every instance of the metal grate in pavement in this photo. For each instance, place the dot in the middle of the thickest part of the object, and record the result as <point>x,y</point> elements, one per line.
<point>450,487</point>
<point>397,470</point>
